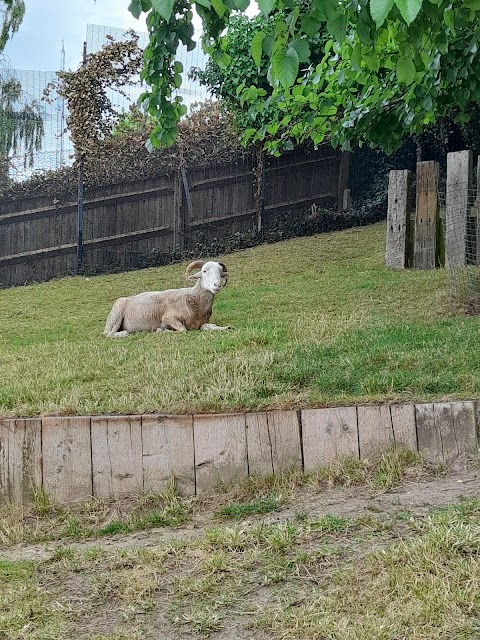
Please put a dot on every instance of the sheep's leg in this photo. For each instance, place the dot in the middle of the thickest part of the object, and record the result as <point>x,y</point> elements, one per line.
<point>171,324</point>
<point>115,320</point>
<point>213,327</point>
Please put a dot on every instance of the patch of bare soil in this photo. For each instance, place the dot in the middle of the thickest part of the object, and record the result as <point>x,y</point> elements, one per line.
<point>419,498</point>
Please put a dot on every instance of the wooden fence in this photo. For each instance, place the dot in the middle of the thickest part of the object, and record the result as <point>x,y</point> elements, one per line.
<point>434,227</point>
<point>77,458</point>
<point>126,225</point>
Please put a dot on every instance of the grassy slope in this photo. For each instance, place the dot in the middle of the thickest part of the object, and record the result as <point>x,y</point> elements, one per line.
<point>317,321</point>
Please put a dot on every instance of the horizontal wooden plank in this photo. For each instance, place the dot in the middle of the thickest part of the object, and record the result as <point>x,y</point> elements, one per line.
<point>51,252</point>
<point>300,202</point>
<point>300,163</point>
<point>215,182</point>
<point>220,219</point>
<point>48,212</point>
<point>271,208</point>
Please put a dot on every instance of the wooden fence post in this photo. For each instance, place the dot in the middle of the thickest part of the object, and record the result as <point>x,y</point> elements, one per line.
<point>343,182</point>
<point>178,236</point>
<point>459,181</point>
<point>186,217</point>
<point>400,201</point>
<point>426,216</point>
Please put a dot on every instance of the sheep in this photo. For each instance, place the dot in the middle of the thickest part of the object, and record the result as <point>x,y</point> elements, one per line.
<point>171,310</point>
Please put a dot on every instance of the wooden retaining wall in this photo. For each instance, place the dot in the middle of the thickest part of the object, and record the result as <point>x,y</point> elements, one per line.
<point>77,458</point>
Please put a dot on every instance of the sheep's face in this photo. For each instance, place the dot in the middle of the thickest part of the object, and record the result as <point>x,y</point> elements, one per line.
<point>211,275</point>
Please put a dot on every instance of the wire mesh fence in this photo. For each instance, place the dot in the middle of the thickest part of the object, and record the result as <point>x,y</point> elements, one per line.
<point>460,220</point>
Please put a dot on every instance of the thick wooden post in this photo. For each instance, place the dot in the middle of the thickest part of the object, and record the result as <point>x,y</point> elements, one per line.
<point>398,219</point>
<point>459,182</point>
<point>426,216</point>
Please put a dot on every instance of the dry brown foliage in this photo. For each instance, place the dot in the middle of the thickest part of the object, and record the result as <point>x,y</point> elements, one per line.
<point>207,137</point>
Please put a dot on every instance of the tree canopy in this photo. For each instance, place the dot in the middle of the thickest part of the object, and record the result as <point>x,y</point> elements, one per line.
<point>21,120</point>
<point>389,67</point>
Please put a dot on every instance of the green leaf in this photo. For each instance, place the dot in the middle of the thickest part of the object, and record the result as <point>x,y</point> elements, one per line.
<point>356,58</point>
<point>449,17</point>
<point>135,8</point>
<point>285,66</point>
<point>267,45</point>
<point>256,47</point>
<point>310,26</point>
<point>219,7</point>
<point>302,49</point>
<point>242,4</point>
<point>204,3</point>
<point>409,9</point>
<point>363,32</point>
<point>405,70</point>
<point>472,4</point>
<point>266,6</point>
<point>164,8</point>
<point>326,8</point>
<point>337,25</point>
<point>379,10</point>
<point>221,58</point>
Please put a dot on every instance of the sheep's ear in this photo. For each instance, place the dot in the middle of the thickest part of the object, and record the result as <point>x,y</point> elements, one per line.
<point>194,276</point>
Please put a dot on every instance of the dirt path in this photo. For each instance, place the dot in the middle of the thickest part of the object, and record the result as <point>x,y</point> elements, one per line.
<point>418,498</point>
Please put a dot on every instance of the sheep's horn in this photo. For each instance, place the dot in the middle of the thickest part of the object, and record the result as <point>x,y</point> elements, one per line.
<point>198,264</point>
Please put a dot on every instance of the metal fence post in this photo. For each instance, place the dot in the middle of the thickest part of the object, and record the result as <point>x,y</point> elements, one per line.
<point>81,180</point>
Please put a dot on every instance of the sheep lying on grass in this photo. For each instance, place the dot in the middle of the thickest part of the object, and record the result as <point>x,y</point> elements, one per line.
<point>173,309</point>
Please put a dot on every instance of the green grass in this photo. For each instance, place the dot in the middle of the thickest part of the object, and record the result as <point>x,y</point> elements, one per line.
<point>43,521</point>
<point>316,321</point>
<point>308,579</point>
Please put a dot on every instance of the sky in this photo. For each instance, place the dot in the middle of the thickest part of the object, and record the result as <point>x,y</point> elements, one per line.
<point>38,42</point>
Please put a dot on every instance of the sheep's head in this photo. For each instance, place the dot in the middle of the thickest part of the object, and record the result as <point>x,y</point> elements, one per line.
<point>212,275</point>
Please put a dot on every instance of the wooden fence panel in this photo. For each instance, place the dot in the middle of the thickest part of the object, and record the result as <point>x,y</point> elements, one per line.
<point>117,461</point>
<point>329,434</point>
<point>220,449</point>
<point>167,445</point>
<point>20,459</point>
<point>67,462</point>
